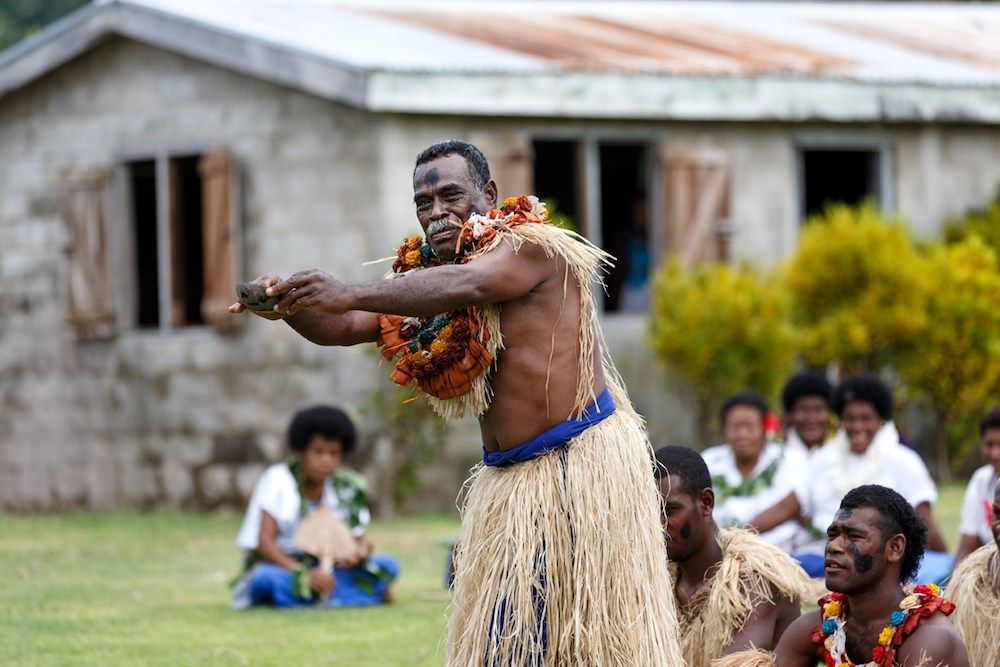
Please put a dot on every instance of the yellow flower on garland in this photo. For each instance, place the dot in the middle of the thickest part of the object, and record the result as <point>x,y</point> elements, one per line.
<point>413,258</point>
<point>844,664</point>
<point>832,610</point>
<point>935,589</point>
<point>414,243</point>
<point>445,333</point>
<point>885,636</point>
<point>509,201</point>
<point>438,346</point>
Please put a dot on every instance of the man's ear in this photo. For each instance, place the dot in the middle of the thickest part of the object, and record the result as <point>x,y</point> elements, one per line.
<point>490,192</point>
<point>895,548</point>
<point>707,501</point>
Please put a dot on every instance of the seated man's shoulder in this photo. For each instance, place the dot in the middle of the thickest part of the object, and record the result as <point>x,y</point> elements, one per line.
<point>769,574</point>
<point>796,644</point>
<point>934,642</point>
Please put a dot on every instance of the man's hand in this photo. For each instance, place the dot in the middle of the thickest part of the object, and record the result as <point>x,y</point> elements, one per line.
<point>256,285</point>
<point>314,289</point>
<point>321,582</point>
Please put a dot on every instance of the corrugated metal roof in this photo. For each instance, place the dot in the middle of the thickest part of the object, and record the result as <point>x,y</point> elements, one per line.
<point>934,43</point>
<point>690,60</point>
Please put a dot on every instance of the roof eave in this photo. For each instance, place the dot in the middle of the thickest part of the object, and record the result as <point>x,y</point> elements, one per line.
<point>682,98</point>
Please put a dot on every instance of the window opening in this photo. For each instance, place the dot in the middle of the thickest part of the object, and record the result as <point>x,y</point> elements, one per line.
<point>142,178</point>
<point>624,224</point>
<point>556,177</point>
<point>186,233</point>
<point>837,176</point>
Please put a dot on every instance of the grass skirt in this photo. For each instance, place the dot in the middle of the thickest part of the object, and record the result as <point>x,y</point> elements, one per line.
<point>977,605</point>
<point>562,561</point>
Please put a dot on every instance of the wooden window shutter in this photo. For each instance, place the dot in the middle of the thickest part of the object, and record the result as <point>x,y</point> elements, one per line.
<point>697,191</point>
<point>90,304</point>
<point>511,161</point>
<point>221,237</point>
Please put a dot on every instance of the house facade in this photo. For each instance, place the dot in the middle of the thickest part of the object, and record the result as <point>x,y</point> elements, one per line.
<point>154,152</point>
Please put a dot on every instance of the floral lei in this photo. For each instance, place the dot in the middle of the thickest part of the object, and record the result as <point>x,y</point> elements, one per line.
<point>830,637</point>
<point>445,354</point>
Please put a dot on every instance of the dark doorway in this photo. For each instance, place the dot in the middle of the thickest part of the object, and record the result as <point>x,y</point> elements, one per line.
<point>625,229</point>
<point>142,178</point>
<point>837,176</point>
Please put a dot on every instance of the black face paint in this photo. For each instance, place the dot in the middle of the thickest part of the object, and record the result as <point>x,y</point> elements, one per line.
<point>686,530</point>
<point>431,178</point>
<point>861,563</point>
<point>844,514</point>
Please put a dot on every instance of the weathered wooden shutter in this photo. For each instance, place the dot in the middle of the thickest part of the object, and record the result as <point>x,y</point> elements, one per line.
<point>696,192</point>
<point>221,235</point>
<point>511,161</point>
<point>90,304</point>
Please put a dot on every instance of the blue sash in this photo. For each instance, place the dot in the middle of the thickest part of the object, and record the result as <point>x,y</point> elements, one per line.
<point>555,437</point>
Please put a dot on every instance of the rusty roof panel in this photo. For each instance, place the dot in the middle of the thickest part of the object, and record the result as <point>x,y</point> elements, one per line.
<point>974,43</point>
<point>643,43</point>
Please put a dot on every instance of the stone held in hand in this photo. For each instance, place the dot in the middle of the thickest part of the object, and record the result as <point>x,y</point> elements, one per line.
<point>252,294</point>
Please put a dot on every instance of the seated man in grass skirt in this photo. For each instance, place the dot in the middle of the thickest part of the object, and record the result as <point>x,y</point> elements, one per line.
<point>561,558</point>
<point>735,592</point>
<point>874,544</point>
<point>975,590</point>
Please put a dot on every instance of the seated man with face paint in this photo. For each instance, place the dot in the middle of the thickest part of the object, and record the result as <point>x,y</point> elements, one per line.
<point>866,450</point>
<point>735,592</point>
<point>275,572</point>
<point>975,590</point>
<point>873,546</point>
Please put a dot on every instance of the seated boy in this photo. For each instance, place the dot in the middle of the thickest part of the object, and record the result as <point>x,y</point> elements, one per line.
<point>275,572</point>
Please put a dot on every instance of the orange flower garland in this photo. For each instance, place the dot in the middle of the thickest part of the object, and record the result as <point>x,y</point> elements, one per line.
<point>445,354</point>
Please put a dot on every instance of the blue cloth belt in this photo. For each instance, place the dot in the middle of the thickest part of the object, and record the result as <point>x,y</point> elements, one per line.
<point>555,437</point>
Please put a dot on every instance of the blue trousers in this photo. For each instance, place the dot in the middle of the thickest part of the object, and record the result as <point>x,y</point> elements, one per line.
<point>272,585</point>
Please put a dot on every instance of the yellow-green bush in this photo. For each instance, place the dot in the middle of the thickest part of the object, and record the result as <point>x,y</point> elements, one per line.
<point>725,329</point>
<point>858,285</point>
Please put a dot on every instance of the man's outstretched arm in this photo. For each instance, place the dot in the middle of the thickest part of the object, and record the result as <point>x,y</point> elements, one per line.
<point>348,328</point>
<point>498,276</point>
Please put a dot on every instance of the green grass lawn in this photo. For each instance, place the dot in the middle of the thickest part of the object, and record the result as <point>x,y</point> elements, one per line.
<point>150,589</point>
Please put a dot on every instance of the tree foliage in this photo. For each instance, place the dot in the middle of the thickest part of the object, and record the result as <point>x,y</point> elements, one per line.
<point>20,18</point>
<point>858,284</point>
<point>982,222</point>
<point>726,329</point>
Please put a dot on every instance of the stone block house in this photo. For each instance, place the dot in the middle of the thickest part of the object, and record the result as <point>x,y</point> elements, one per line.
<point>152,152</point>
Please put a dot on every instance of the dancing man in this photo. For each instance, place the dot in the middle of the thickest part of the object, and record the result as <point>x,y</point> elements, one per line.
<point>492,313</point>
<point>873,545</point>
<point>735,592</point>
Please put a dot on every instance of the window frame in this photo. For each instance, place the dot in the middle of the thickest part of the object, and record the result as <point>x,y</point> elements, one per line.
<point>123,243</point>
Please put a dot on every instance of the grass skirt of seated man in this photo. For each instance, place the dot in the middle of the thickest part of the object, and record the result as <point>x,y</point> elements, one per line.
<point>267,584</point>
<point>973,589</point>
<point>561,560</point>
<point>752,572</point>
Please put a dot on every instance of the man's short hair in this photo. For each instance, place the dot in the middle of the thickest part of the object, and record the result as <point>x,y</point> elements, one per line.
<point>479,168</point>
<point>687,464</point>
<point>867,388</point>
<point>747,398</point>
<point>325,420</point>
<point>990,420</point>
<point>898,516</point>
<point>805,385</point>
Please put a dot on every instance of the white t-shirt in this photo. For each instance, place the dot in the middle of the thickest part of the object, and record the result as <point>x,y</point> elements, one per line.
<point>277,493</point>
<point>977,508</point>
<point>834,470</point>
<point>736,510</point>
